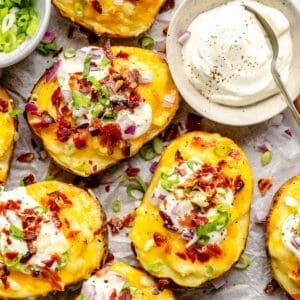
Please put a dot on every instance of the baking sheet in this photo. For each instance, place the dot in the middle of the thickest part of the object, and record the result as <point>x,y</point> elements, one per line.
<point>247,284</point>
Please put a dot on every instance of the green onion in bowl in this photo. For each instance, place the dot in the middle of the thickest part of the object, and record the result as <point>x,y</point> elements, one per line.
<point>18,21</point>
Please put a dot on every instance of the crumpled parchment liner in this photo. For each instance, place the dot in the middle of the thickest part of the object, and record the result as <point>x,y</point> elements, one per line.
<point>247,284</point>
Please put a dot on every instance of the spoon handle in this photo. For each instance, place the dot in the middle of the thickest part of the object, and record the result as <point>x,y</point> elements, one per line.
<point>285,93</point>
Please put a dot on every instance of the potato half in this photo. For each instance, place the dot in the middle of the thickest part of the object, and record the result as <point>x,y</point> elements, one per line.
<point>105,17</point>
<point>125,280</point>
<point>94,157</point>
<point>160,246</point>
<point>284,263</point>
<point>82,220</point>
<point>7,135</point>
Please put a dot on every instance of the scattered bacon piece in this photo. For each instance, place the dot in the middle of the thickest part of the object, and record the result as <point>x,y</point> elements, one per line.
<point>96,5</point>
<point>73,233</point>
<point>178,157</point>
<point>163,283</point>
<point>193,122</point>
<point>41,119</point>
<point>169,4</point>
<point>238,183</point>
<point>58,200</point>
<point>57,97</point>
<point>167,221</point>
<point>123,54</point>
<point>80,139</point>
<point>159,238</point>
<point>84,86</point>
<point>171,133</point>
<point>271,287</point>
<point>54,278</point>
<point>115,224</point>
<point>128,220</point>
<point>12,205</point>
<point>26,157</point>
<point>11,255</point>
<point>3,105</point>
<point>193,220</point>
<point>56,220</point>
<point>29,179</point>
<point>4,273</point>
<point>125,295</point>
<point>132,172</point>
<point>110,136</point>
<point>113,295</point>
<point>264,184</point>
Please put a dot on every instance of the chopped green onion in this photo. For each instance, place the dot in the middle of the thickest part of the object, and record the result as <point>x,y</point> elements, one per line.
<point>49,177</point>
<point>243,263</point>
<point>16,112</point>
<point>169,180</point>
<point>87,66</point>
<point>63,260</point>
<point>146,42</point>
<point>147,152</point>
<point>192,163</point>
<point>33,26</point>
<point>222,151</point>
<point>141,182</point>
<point>266,158</point>
<point>14,265</point>
<point>104,62</point>
<point>80,100</point>
<point>135,192</point>
<point>157,145</point>
<point>154,267</point>
<point>93,80</point>
<point>97,109</point>
<point>69,53</point>
<point>46,49</point>
<point>16,233</point>
<point>116,205</point>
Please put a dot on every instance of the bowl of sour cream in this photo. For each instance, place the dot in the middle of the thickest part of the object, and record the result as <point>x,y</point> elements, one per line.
<point>220,58</point>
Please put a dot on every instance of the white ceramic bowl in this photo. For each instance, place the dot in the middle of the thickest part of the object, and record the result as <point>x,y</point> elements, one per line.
<point>238,116</point>
<point>7,59</point>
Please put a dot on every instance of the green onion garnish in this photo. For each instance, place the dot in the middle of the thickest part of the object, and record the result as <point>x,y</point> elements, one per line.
<point>116,205</point>
<point>69,53</point>
<point>46,49</point>
<point>266,158</point>
<point>157,145</point>
<point>16,233</point>
<point>243,263</point>
<point>18,21</point>
<point>146,42</point>
<point>147,152</point>
<point>16,112</point>
<point>87,66</point>
<point>135,192</point>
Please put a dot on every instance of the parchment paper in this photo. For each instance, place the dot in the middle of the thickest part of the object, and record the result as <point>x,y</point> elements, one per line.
<point>247,284</point>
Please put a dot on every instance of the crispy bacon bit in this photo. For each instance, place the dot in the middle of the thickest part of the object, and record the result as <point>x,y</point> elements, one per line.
<point>56,221</point>
<point>125,148</point>
<point>193,122</point>
<point>123,54</point>
<point>109,258</point>
<point>57,201</point>
<point>169,4</point>
<point>3,105</point>
<point>134,99</point>
<point>264,184</point>
<point>54,279</point>
<point>73,233</point>
<point>181,255</point>
<point>4,273</point>
<point>29,179</point>
<point>96,5</point>
<point>115,224</point>
<point>80,139</point>
<point>132,172</point>
<point>107,50</point>
<point>178,157</point>
<point>26,157</point>
<point>167,221</point>
<point>238,183</point>
<point>84,86</point>
<point>193,220</point>
<point>222,164</point>
<point>13,205</point>
<point>128,220</point>
<point>163,283</point>
<point>132,77</point>
<point>125,295</point>
<point>11,255</point>
<point>110,136</point>
<point>41,119</point>
<point>159,238</point>
<point>171,133</point>
<point>57,97</point>
<point>271,287</point>
<point>113,295</point>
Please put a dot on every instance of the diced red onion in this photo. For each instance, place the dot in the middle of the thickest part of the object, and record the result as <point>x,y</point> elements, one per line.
<point>153,166</point>
<point>51,73</point>
<point>187,235</point>
<point>93,66</point>
<point>219,282</point>
<point>162,197</point>
<point>296,241</point>
<point>288,133</point>
<point>264,147</point>
<point>48,37</point>
<point>184,37</point>
<point>30,107</point>
<point>276,121</point>
<point>261,217</point>
<point>146,77</point>
<point>169,100</point>
<point>130,130</point>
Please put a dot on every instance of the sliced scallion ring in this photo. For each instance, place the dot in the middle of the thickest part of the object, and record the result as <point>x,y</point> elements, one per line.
<point>157,145</point>
<point>147,152</point>
<point>117,205</point>
<point>69,53</point>
<point>146,42</point>
<point>243,263</point>
<point>135,192</point>
<point>266,158</point>
<point>7,22</point>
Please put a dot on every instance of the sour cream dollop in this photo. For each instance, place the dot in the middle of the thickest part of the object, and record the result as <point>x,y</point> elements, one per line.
<point>228,55</point>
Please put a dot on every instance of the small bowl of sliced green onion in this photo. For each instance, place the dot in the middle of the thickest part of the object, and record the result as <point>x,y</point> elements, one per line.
<point>22,27</point>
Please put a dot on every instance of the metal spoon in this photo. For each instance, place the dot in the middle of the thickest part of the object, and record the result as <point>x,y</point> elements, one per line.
<point>275,48</point>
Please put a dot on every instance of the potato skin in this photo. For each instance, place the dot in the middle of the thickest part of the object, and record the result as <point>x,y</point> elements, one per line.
<point>281,260</point>
<point>135,276</point>
<point>77,161</point>
<point>8,143</point>
<point>193,273</point>
<point>116,21</point>
<point>89,246</point>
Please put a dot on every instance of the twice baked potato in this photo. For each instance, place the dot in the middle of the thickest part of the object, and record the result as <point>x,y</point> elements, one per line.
<point>7,134</point>
<point>52,235</point>
<point>121,281</point>
<point>192,225</point>
<point>100,105</point>
<point>283,237</point>
<point>106,17</point>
